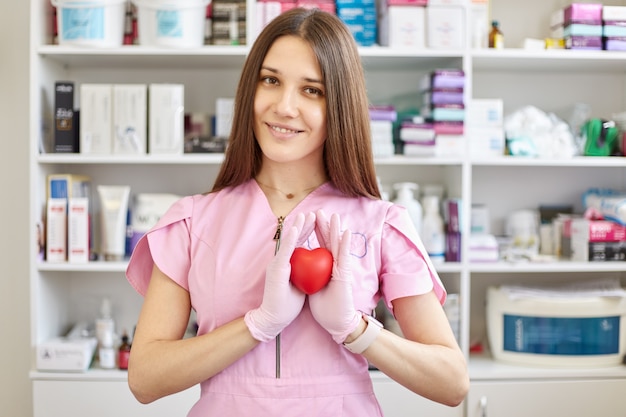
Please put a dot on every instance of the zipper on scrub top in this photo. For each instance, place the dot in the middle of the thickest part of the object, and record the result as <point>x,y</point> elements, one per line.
<point>277,235</point>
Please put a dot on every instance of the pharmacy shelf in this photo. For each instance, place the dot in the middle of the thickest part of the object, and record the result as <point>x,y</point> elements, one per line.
<point>555,60</point>
<point>578,161</point>
<point>217,56</point>
<point>546,267</point>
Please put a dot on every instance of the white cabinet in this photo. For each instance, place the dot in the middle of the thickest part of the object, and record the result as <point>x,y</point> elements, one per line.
<point>62,294</point>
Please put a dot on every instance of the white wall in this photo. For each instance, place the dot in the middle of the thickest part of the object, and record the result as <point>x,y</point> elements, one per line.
<point>15,388</point>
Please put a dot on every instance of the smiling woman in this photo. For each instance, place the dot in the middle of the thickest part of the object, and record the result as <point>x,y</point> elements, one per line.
<point>298,174</point>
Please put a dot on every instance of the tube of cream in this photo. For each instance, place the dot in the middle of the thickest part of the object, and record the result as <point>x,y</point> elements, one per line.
<point>113,210</point>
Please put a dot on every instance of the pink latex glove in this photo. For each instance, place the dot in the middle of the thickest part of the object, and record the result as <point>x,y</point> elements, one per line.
<point>282,302</point>
<point>333,306</point>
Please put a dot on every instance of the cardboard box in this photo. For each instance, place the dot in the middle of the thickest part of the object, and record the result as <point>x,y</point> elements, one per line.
<point>402,27</point>
<point>445,28</point>
<point>67,186</point>
<point>66,354</point>
<point>224,116</point>
<point>96,126</point>
<point>166,107</point>
<point>65,127</point>
<point>56,230</point>
<point>78,230</point>
<point>130,119</point>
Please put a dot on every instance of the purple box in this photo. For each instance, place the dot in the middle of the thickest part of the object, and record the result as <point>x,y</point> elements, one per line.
<point>447,78</point>
<point>583,42</point>
<point>615,44</point>
<point>453,247</point>
<point>589,13</point>
<point>445,96</point>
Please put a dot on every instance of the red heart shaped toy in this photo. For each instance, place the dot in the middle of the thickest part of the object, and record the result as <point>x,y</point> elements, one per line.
<point>311,269</point>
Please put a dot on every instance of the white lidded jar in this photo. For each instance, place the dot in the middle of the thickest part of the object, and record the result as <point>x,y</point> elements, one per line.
<point>433,235</point>
<point>405,196</point>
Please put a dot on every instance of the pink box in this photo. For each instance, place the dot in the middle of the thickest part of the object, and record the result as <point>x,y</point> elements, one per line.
<point>590,13</point>
<point>597,230</point>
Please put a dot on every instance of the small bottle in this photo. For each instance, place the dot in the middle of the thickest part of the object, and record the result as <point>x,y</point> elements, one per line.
<point>123,352</point>
<point>105,333</point>
<point>433,235</point>
<point>106,352</point>
<point>496,38</point>
<point>406,198</point>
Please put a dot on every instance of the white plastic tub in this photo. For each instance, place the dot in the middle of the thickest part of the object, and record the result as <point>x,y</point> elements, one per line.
<point>172,23</point>
<point>90,22</point>
<point>576,331</point>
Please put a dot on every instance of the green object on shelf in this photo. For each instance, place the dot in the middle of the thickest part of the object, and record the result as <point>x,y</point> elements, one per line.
<point>600,137</point>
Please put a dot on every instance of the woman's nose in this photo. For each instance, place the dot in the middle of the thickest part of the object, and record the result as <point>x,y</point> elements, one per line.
<point>287,103</point>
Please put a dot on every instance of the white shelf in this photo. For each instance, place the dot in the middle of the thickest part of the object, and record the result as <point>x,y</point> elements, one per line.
<point>578,161</point>
<point>554,60</point>
<point>184,159</point>
<point>547,267</point>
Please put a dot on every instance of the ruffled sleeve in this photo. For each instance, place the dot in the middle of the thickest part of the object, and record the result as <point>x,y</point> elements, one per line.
<point>406,267</point>
<point>166,245</point>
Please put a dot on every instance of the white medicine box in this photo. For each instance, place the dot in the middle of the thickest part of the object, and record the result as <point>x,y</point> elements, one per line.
<point>166,119</point>
<point>445,27</point>
<point>96,108</point>
<point>130,119</point>
<point>402,26</point>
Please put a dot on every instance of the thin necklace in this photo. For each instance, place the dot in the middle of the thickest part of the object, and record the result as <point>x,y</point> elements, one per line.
<point>289,196</point>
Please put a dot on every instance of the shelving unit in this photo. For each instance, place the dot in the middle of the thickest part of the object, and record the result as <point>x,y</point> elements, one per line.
<point>553,80</point>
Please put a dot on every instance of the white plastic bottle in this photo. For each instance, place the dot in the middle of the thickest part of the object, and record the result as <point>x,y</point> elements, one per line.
<point>433,235</point>
<point>405,197</point>
<point>105,333</point>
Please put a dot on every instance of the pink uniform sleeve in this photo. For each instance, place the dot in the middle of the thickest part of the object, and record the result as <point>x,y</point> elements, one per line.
<point>166,245</point>
<point>406,267</point>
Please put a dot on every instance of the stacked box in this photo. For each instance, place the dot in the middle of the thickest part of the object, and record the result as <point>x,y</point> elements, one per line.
<point>484,128</point>
<point>417,137</point>
<point>228,22</point>
<point>381,126</point>
<point>597,240</point>
<point>580,25</point>
<point>443,104</point>
<point>360,17</point>
<point>614,28</point>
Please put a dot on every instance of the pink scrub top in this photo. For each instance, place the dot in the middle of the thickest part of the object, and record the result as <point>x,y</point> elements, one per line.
<point>217,247</point>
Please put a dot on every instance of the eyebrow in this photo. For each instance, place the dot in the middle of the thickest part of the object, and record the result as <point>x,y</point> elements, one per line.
<point>275,71</point>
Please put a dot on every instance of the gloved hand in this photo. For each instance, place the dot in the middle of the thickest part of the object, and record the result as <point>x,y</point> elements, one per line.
<point>333,306</point>
<point>282,302</point>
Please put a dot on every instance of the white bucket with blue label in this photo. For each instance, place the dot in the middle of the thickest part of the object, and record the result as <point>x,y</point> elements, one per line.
<point>171,23</point>
<point>90,23</point>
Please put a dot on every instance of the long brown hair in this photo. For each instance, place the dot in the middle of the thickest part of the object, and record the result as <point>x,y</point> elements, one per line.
<point>347,151</point>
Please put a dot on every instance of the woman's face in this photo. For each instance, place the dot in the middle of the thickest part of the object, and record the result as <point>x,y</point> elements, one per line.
<point>290,103</point>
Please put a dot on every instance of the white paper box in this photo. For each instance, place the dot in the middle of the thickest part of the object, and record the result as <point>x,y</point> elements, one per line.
<point>78,230</point>
<point>66,354</point>
<point>56,230</point>
<point>485,142</point>
<point>449,145</point>
<point>445,27</point>
<point>403,27</point>
<point>484,112</point>
<point>224,116</point>
<point>166,119</point>
<point>130,119</point>
<point>96,107</point>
